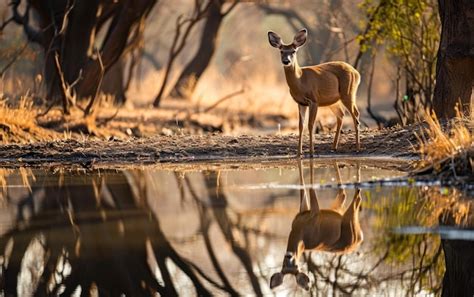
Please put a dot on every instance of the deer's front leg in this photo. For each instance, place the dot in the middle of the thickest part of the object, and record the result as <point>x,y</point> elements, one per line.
<point>302,115</point>
<point>313,111</point>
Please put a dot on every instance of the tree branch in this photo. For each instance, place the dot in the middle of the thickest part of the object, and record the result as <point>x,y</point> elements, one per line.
<point>31,33</point>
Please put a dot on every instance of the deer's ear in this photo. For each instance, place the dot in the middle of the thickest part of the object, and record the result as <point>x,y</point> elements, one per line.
<point>276,280</point>
<point>302,280</point>
<point>274,39</point>
<point>300,38</point>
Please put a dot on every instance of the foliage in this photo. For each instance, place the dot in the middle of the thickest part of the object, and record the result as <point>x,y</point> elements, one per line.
<point>409,206</point>
<point>409,30</point>
<point>440,148</point>
<point>428,207</point>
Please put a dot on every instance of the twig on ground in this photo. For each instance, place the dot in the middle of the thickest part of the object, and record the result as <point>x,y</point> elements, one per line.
<point>219,101</point>
<point>223,99</point>
<point>105,121</point>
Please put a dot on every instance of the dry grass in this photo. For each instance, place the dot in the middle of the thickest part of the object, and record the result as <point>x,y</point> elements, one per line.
<point>18,123</point>
<point>441,147</point>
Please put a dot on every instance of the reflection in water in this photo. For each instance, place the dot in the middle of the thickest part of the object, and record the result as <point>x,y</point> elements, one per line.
<point>458,254</point>
<point>96,234</point>
<point>140,233</point>
<point>331,230</point>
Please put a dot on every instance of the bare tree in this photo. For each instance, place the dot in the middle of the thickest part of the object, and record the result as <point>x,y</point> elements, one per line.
<point>193,71</point>
<point>181,35</point>
<point>69,29</point>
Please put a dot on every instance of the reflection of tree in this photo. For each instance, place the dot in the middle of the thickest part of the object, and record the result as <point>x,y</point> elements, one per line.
<point>205,221</point>
<point>458,254</point>
<point>106,235</point>
<point>218,198</point>
<point>219,208</point>
<point>100,233</point>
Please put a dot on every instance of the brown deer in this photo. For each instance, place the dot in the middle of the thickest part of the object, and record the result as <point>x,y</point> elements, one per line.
<point>327,84</point>
<point>330,230</point>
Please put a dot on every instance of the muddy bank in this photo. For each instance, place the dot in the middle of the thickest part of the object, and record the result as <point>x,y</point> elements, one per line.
<point>388,143</point>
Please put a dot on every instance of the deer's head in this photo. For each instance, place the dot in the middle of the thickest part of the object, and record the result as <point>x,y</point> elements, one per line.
<point>290,267</point>
<point>288,51</point>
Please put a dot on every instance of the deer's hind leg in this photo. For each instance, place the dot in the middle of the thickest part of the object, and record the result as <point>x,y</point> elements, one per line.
<point>338,111</point>
<point>338,203</point>
<point>351,232</point>
<point>349,103</point>
<point>355,117</point>
<point>351,217</point>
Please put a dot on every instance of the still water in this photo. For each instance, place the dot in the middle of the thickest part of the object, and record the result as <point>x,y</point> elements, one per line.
<point>322,229</point>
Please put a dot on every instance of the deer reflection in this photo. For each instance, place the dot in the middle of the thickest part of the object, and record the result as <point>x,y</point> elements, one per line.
<point>331,230</point>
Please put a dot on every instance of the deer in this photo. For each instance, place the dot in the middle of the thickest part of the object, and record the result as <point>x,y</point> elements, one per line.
<point>333,84</point>
<point>330,230</point>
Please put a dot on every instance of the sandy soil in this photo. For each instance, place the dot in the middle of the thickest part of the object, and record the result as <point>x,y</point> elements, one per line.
<point>389,144</point>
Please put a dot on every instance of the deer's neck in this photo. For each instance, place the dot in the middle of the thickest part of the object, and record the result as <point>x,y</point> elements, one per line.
<point>295,243</point>
<point>293,75</point>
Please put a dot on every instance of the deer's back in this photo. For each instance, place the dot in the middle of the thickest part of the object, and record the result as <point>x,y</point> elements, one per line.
<point>331,79</point>
<point>321,230</point>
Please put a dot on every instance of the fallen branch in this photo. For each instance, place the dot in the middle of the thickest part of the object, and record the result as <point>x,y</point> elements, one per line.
<point>13,60</point>
<point>46,111</point>
<point>105,121</point>
<point>219,101</point>
<point>223,99</point>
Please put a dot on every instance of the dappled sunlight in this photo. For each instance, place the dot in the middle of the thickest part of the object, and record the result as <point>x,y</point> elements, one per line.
<point>180,148</point>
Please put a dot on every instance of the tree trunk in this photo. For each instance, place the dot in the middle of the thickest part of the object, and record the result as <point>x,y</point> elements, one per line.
<point>74,41</point>
<point>455,66</point>
<point>459,277</point>
<point>113,83</point>
<point>188,79</point>
<point>71,45</point>
<point>115,42</point>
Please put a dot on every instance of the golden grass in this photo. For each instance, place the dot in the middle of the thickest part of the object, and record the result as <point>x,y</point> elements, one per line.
<point>18,123</point>
<point>438,145</point>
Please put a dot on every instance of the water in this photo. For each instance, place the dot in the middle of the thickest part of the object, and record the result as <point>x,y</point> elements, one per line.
<point>225,230</point>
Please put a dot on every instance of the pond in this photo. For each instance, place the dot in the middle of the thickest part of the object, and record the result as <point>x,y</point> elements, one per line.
<point>227,231</point>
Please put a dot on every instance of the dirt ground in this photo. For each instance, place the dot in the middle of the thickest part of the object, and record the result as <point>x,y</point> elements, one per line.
<point>177,133</point>
<point>388,144</point>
